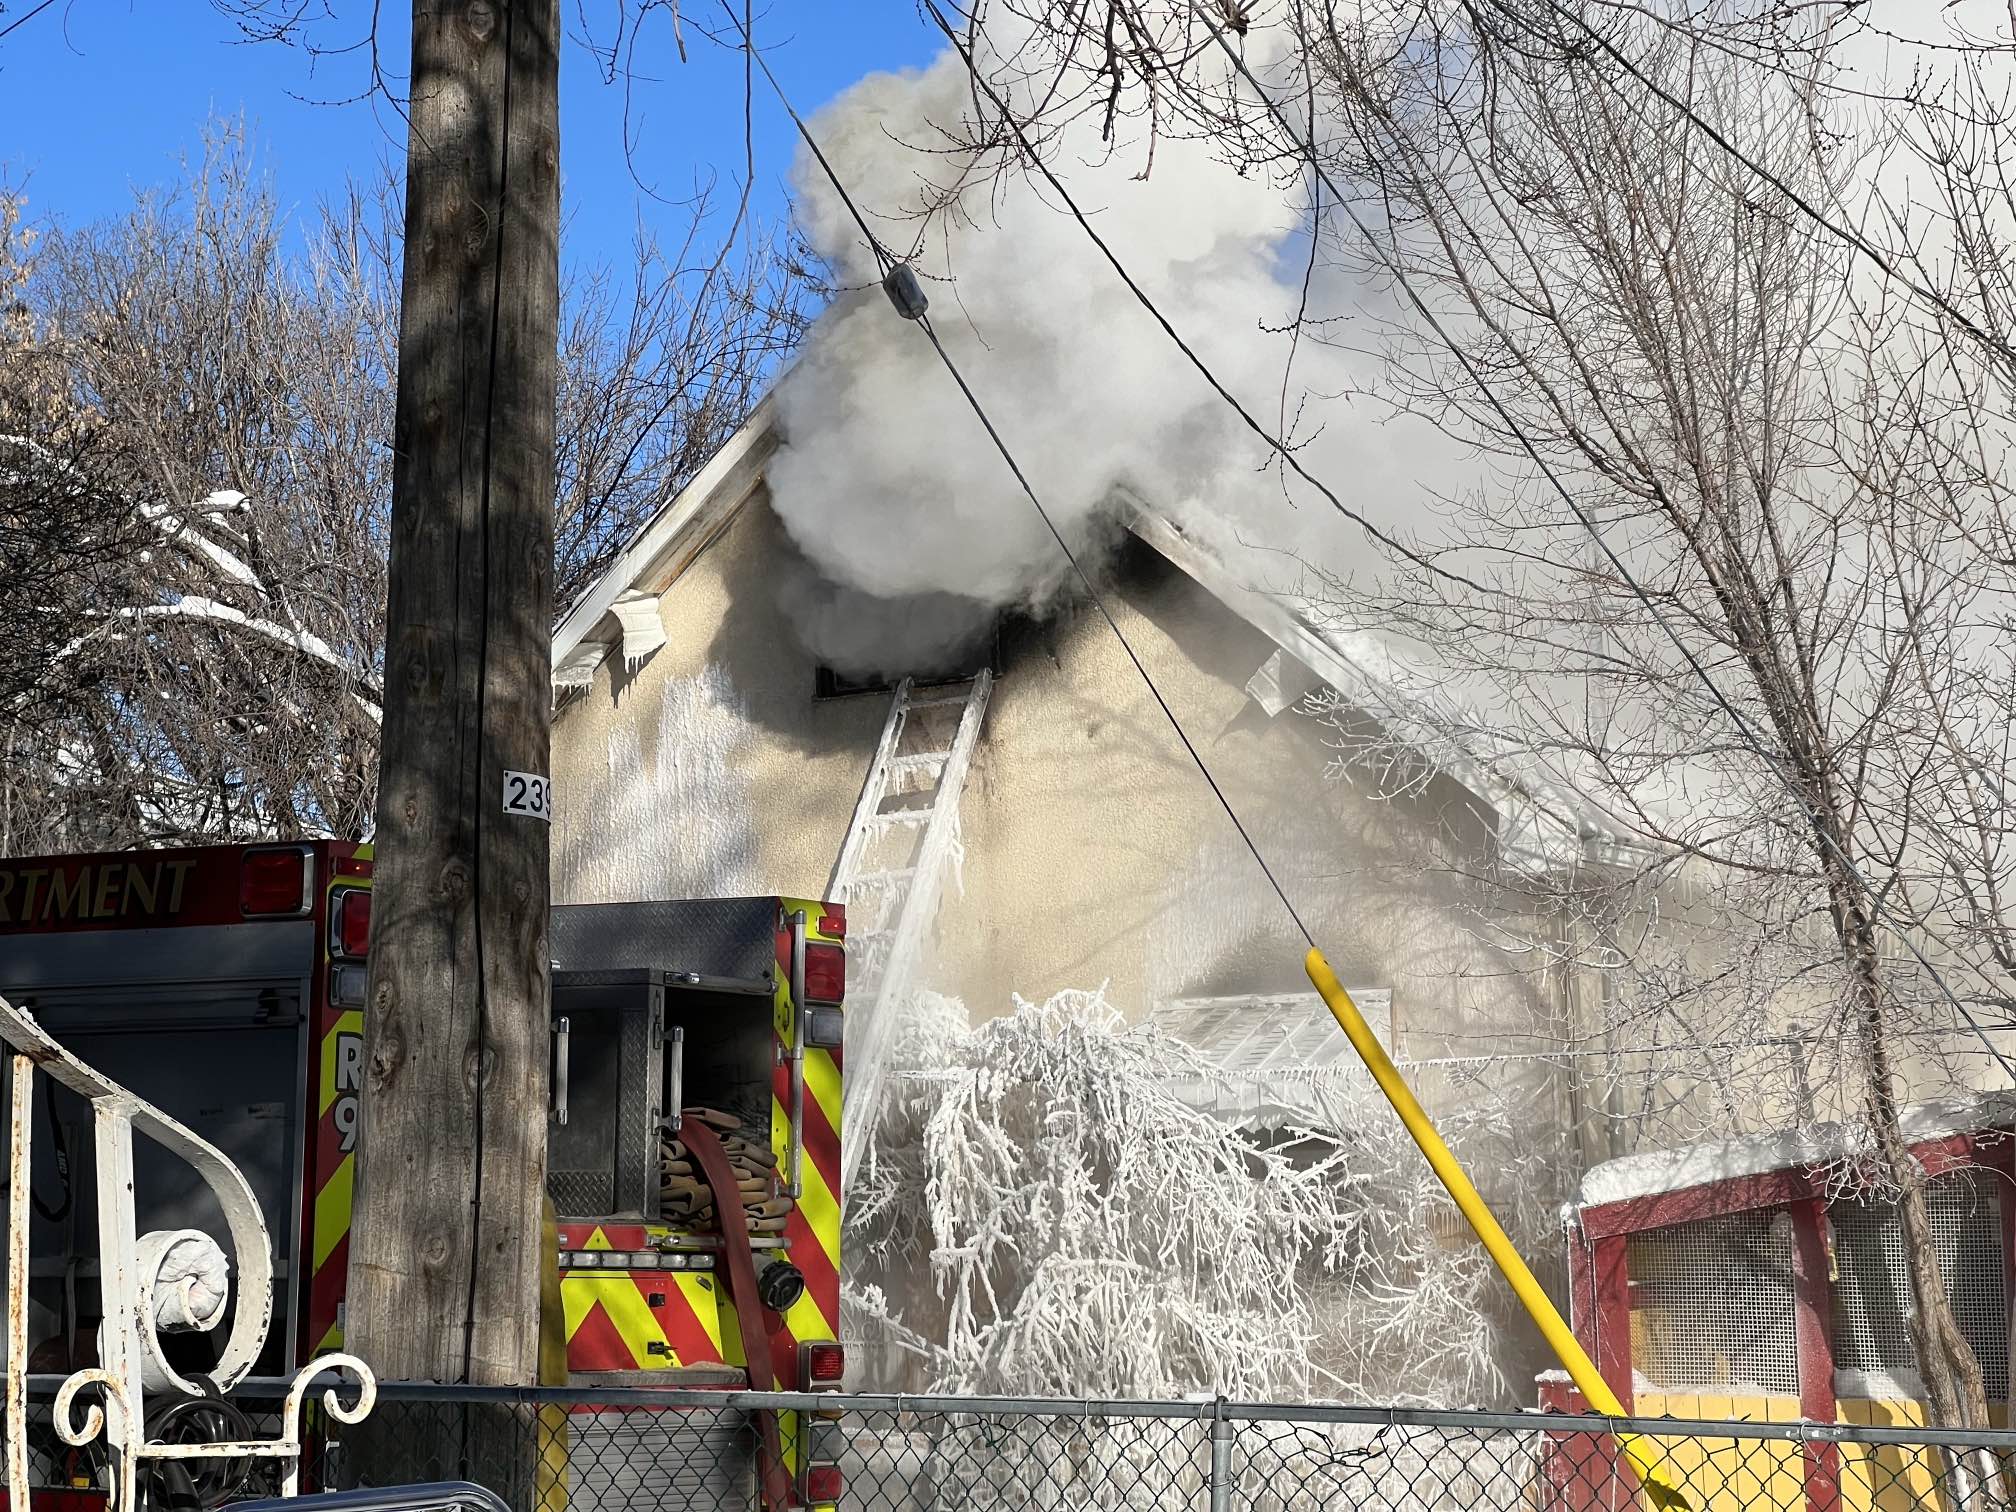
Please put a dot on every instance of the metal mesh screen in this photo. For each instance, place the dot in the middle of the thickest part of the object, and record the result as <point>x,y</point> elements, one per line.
<point>1872,1295</point>
<point>1714,1308</point>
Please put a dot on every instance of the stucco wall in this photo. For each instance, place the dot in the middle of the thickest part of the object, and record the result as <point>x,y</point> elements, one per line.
<point>709,771</point>
<point>1095,853</point>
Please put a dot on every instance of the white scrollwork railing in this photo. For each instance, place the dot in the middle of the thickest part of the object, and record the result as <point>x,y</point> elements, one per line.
<point>129,1349</point>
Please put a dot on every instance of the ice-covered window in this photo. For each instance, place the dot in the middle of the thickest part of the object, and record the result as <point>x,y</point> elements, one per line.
<point>1270,1053</point>
<point>1713,1306</point>
<point>1872,1289</point>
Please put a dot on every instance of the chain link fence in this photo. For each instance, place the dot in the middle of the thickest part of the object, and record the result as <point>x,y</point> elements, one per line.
<point>661,1451</point>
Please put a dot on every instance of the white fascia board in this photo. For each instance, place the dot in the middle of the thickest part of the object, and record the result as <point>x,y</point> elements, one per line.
<point>1274,619</point>
<point>653,557</point>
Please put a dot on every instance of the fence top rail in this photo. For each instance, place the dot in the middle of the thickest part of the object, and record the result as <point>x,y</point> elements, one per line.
<point>1528,1421</point>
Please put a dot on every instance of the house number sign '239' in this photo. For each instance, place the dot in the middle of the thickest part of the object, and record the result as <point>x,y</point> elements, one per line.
<point>528,794</point>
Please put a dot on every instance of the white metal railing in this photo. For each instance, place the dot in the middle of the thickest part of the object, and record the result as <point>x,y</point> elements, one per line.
<point>130,1357</point>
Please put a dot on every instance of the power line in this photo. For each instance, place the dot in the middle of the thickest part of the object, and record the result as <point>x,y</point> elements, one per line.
<point>1275,443</point>
<point>22,21</point>
<point>887,262</point>
<point>1844,233</point>
<point>1307,149</point>
<point>1721,700</point>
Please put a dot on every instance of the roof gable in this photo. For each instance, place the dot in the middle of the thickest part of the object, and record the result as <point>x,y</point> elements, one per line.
<point>659,552</point>
<point>1539,826</point>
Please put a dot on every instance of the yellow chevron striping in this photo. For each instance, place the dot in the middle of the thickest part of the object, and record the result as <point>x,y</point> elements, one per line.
<point>332,1208</point>
<point>626,1306</point>
<point>808,1322</point>
<point>822,1211</point>
<point>731,1327</point>
<point>822,1080</point>
<point>698,1290</point>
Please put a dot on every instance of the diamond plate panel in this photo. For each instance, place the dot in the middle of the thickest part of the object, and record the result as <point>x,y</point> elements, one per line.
<point>719,937</point>
<point>638,1114</point>
<point>581,1191</point>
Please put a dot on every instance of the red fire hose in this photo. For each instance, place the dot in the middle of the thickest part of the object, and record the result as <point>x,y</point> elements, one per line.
<point>705,1146</point>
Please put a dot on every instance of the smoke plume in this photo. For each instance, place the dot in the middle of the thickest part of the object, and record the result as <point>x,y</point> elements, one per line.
<point>887,480</point>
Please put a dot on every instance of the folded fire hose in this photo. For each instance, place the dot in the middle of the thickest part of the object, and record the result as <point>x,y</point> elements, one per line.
<point>700,1136</point>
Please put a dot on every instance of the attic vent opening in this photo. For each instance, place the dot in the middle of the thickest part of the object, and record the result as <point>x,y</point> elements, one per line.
<point>983,656</point>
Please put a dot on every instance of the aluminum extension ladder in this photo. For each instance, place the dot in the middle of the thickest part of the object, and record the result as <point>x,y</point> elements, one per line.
<point>891,874</point>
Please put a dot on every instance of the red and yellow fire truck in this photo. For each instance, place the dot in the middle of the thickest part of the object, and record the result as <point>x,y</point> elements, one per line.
<point>227,986</point>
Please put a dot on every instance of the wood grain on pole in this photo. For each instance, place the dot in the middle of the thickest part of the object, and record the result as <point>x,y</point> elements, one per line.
<point>444,1246</point>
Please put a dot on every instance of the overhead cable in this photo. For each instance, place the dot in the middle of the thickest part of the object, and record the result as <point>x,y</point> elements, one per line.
<point>1745,730</point>
<point>900,293</point>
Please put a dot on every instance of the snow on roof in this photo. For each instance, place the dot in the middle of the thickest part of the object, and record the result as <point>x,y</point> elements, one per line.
<point>1656,1171</point>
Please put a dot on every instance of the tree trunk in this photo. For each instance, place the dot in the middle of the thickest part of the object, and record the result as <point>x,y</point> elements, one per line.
<point>1955,1396</point>
<point>445,1248</point>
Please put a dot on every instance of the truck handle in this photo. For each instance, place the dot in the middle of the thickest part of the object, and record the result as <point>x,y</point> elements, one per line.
<point>795,1187</point>
<point>675,1077</point>
<point>562,1033</point>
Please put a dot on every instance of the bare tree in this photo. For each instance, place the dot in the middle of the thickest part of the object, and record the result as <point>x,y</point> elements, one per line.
<point>1738,571</point>
<point>64,555</point>
<point>1780,660</point>
<point>218,405</point>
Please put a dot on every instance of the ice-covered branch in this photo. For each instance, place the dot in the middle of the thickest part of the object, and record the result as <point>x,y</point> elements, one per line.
<point>1088,1230</point>
<point>305,642</point>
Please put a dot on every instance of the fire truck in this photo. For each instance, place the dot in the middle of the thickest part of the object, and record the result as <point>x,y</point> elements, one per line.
<point>227,986</point>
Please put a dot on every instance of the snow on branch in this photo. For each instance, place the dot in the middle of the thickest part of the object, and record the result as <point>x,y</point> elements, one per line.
<point>181,532</point>
<point>1088,1231</point>
<point>306,642</point>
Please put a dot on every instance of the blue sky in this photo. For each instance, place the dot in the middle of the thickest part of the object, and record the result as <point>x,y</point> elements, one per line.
<point>100,96</point>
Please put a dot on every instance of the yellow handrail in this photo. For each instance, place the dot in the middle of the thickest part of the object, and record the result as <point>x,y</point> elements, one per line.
<point>1546,1317</point>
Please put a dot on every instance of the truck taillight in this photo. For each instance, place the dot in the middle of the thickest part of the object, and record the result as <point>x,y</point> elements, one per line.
<point>820,1481</point>
<point>825,1366</point>
<point>275,882</point>
<point>350,923</point>
<point>825,974</point>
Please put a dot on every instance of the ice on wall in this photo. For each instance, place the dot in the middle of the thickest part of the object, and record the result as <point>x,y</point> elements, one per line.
<point>678,821</point>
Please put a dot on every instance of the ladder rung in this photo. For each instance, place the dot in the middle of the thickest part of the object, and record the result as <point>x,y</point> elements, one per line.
<point>883,878</point>
<point>918,759</point>
<point>941,702</point>
<point>897,817</point>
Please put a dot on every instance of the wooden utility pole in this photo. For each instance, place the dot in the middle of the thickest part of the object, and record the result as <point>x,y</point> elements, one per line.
<point>445,1242</point>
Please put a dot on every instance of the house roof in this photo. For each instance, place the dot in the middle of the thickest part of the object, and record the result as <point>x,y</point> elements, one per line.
<point>1538,824</point>
<point>664,547</point>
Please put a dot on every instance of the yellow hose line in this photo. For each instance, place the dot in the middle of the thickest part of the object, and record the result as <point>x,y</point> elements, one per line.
<point>1546,1317</point>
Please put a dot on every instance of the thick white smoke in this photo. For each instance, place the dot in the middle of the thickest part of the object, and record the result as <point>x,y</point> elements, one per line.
<point>886,479</point>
